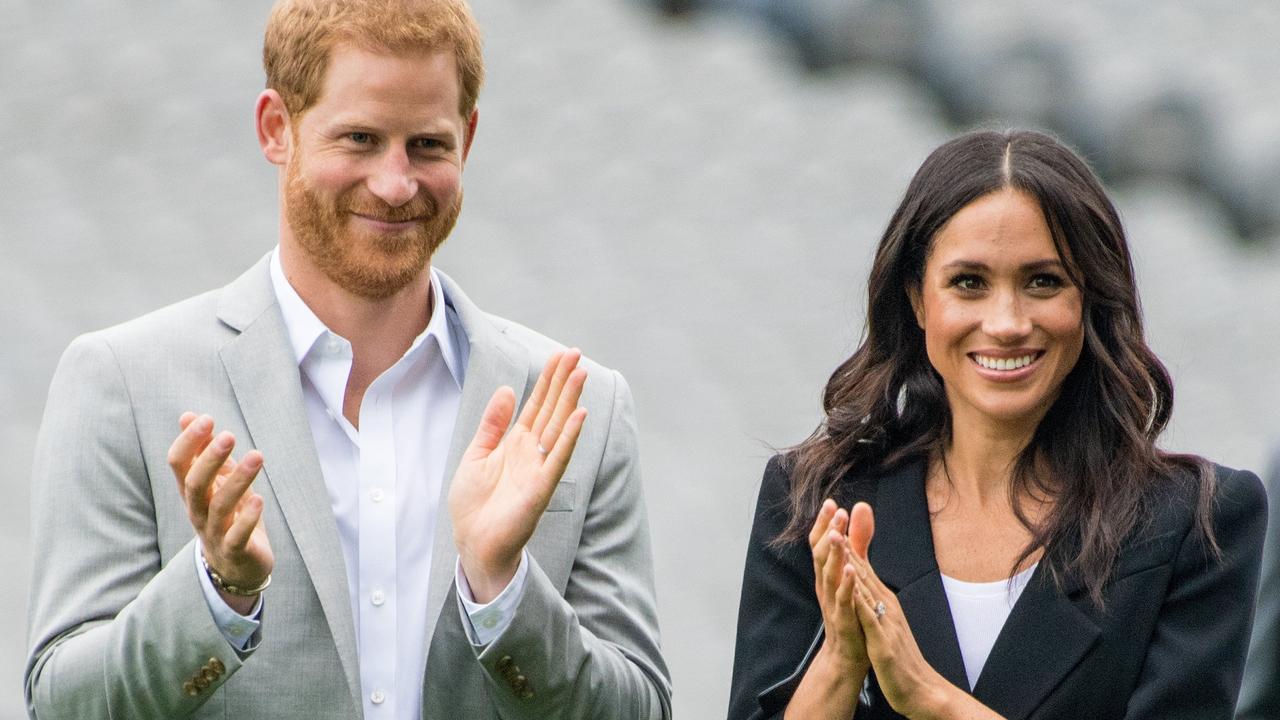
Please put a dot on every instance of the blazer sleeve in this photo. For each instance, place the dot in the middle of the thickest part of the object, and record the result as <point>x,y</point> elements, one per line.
<point>595,651</point>
<point>779,620</point>
<point>114,631</point>
<point>1260,694</point>
<point>1195,659</point>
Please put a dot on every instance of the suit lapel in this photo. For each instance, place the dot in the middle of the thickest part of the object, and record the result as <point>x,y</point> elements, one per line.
<point>902,555</point>
<point>493,361</point>
<point>265,379</point>
<point>1043,639</point>
<point>1045,636</point>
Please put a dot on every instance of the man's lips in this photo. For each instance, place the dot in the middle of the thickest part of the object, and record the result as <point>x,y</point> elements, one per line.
<point>386,224</point>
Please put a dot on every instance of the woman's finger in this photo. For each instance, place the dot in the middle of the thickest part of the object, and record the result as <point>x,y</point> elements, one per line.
<point>820,523</point>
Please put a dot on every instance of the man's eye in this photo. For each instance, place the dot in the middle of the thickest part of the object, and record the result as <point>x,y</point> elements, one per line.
<point>360,138</point>
<point>427,144</point>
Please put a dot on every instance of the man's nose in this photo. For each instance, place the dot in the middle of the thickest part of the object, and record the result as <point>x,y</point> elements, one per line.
<point>392,181</point>
<point>1006,319</point>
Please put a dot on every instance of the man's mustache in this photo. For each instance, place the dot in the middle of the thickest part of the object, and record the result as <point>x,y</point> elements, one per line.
<point>419,208</point>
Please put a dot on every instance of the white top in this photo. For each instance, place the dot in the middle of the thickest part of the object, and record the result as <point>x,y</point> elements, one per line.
<point>979,611</point>
<point>384,482</point>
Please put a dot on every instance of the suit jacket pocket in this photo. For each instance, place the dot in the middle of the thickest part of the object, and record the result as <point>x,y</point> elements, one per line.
<point>564,499</point>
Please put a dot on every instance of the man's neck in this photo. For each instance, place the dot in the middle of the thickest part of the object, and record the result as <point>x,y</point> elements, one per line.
<point>380,330</point>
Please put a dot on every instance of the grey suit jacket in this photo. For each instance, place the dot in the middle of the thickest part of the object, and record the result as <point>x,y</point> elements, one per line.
<point>1260,694</point>
<point>117,619</point>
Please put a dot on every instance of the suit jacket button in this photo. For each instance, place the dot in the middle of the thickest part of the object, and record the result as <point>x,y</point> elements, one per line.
<point>190,688</point>
<point>209,675</point>
<point>504,663</point>
<point>200,682</point>
<point>217,665</point>
<point>526,694</point>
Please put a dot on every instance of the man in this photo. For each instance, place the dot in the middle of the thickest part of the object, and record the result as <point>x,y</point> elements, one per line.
<point>412,573</point>
<point>1260,693</point>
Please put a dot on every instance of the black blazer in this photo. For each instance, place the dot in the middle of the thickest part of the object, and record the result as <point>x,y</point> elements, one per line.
<point>1170,643</point>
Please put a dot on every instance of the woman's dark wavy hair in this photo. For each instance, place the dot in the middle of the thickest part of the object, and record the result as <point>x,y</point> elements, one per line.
<point>1094,452</point>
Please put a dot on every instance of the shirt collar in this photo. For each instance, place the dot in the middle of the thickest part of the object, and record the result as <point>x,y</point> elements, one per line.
<point>305,328</point>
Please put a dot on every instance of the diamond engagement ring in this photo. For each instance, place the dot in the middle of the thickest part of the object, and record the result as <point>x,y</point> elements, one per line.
<point>880,609</point>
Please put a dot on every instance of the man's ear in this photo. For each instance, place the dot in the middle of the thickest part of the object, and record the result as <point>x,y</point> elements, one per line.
<point>470,133</point>
<point>275,136</point>
<point>917,303</point>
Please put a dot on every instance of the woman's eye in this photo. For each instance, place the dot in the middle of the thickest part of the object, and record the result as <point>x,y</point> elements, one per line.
<point>967,282</point>
<point>1046,281</point>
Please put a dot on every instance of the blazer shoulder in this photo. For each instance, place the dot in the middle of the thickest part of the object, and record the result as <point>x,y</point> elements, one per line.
<point>164,327</point>
<point>603,381</point>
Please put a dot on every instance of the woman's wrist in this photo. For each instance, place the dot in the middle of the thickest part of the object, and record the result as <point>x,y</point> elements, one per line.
<point>939,700</point>
<point>842,663</point>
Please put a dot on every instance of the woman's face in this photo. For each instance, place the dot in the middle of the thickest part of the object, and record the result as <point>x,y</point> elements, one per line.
<point>1001,318</point>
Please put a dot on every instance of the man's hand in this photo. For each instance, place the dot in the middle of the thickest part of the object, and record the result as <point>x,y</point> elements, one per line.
<point>224,511</point>
<point>503,484</point>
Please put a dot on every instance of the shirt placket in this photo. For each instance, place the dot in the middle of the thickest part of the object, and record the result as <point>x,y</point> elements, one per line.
<point>377,598</point>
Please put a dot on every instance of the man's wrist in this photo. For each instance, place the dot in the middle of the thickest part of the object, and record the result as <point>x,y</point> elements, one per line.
<point>487,583</point>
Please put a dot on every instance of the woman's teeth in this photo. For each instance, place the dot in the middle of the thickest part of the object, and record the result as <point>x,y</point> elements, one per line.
<point>992,363</point>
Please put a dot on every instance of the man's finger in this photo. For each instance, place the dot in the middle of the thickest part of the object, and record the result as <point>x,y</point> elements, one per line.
<point>531,406</point>
<point>222,507</point>
<point>250,512</point>
<point>564,407</point>
<point>493,423</point>
<point>558,458</point>
<point>199,480</point>
<point>192,439</point>
<point>568,362</point>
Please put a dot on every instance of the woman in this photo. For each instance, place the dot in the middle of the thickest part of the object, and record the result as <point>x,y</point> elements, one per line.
<point>1032,554</point>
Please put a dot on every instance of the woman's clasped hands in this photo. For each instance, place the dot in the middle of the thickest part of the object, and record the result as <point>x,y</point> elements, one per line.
<point>865,628</point>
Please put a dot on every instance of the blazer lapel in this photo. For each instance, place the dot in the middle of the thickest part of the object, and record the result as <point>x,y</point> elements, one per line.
<point>265,379</point>
<point>493,361</point>
<point>1045,636</point>
<point>903,557</point>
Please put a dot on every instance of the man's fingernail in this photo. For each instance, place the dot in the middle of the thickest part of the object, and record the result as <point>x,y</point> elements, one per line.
<point>202,424</point>
<point>223,441</point>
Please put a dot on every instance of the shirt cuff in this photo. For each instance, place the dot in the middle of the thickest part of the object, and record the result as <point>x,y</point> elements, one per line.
<point>485,622</point>
<point>239,630</point>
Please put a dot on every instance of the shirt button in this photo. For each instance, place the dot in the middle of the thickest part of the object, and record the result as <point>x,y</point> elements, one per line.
<point>377,598</point>
<point>376,495</point>
<point>489,622</point>
<point>377,697</point>
<point>333,345</point>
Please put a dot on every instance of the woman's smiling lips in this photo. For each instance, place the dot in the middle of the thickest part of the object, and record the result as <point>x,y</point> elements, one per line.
<point>1004,365</point>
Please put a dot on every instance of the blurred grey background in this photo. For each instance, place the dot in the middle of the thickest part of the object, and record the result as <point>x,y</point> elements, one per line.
<point>690,190</point>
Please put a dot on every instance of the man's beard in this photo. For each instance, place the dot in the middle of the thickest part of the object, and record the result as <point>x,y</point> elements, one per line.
<point>371,265</point>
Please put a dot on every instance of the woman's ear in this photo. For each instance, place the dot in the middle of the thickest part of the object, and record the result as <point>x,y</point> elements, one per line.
<point>917,304</point>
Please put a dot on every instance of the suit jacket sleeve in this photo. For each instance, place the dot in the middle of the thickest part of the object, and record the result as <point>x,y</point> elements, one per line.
<point>593,652</point>
<point>1260,695</point>
<point>115,630</point>
<point>779,620</point>
<point>1195,659</point>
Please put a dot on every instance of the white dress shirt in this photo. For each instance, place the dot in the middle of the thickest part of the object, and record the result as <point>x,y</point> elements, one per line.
<point>384,482</point>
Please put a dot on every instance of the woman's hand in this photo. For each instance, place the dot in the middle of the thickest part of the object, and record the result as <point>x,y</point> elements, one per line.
<point>834,584</point>
<point>830,686</point>
<point>910,684</point>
